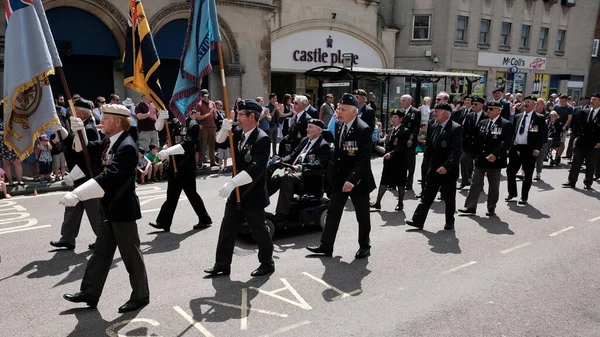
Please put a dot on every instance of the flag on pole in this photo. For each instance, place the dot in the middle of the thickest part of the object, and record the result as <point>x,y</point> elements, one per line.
<point>202,32</point>
<point>140,60</point>
<point>30,56</point>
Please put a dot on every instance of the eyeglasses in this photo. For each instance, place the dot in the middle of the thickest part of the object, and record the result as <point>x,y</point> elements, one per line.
<point>438,99</point>
<point>492,108</point>
<point>242,114</point>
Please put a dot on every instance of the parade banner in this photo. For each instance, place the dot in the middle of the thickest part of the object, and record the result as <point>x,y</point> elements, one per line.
<point>140,60</point>
<point>202,32</point>
<point>30,57</point>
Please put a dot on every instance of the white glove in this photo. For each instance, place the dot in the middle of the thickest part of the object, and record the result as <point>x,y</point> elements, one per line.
<point>89,190</point>
<point>76,126</point>
<point>172,151</point>
<point>163,114</point>
<point>74,175</point>
<point>62,132</point>
<point>69,200</point>
<point>240,179</point>
<point>224,132</point>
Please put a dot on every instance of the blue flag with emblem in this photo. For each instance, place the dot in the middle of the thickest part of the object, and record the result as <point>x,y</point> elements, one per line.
<point>30,57</point>
<point>202,32</point>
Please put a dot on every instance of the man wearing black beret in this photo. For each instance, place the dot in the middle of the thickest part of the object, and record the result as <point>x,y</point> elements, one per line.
<point>353,178</point>
<point>312,153</point>
<point>497,94</point>
<point>470,134</point>
<point>444,146</point>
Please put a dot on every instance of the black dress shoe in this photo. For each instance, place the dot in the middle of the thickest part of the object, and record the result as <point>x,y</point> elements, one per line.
<point>419,196</point>
<point>467,211</point>
<point>201,225</point>
<point>91,246</point>
<point>520,177</point>
<point>62,244</point>
<point>462,186</point>
<point>375,205</point>
<point>319,250</point>
<point>510,197</point>
<point>490,212</point>
<point>158,225</point>
<point>568,185</point>
<point>449,226</point>
<point>399,207</point>
<point>587,187</point>
<point>81,297</point>
<point>522,202</point>
<point>216,271</point>
<point>263,269</point>
<point>412,223</point>
<point>132,305</point>
<point>363,253</point>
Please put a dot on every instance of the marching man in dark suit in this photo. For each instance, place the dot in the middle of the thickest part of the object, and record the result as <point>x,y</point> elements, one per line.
<point>412,121</point>
<point>251,153</point>
<point>312,153</point>
<point>490,152</point>
<point>470,136</point>
<point>587,144</point>
<point>185,178</point>
<point>364,110</point>
<point>529,133</point>
<point>394,160</point>
<point>353,178</point>
<point>444,144</point>
<point>497,94</point>
<point>115,186</point>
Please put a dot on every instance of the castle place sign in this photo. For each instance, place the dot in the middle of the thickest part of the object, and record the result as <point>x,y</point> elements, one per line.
<point>499,60</point>
<point>320,56</point>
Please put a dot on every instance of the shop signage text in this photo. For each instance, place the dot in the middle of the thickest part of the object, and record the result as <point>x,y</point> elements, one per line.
<point>508,61</point>
<point>319,56</point>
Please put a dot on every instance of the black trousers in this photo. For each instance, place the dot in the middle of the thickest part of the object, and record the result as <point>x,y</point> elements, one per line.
<point>232,221</point>
<point>579,155</point>
<point>174,188</point>
<point>570,147</point>
<point>411,162</point>
<point>125,236</point>
<point>334,216</point>
<point>437,182</point>
<point>133,132</point>
<point>520,156</point>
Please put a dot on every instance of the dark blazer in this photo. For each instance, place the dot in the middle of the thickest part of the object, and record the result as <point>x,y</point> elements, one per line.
<point>495,140</point>
<point>314,113</point>
<point>316,158</point>
<point>459,115</point>
<point>412,121</point>
<point>76,158</point>
<point>252,158</point>
<point>537,133</point>
<point>298,130</point>
<point>118,178</point>
<point>588,134</point>
<point>353,158</point>
<point>471,131</point>
<point>446,149</point>
<point>368,116</point>
<point>505,109</point>
<point>186,162</point>
<point>396,146</point>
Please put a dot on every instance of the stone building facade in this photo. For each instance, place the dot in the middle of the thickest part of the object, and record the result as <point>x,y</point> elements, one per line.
<point>593,84</point>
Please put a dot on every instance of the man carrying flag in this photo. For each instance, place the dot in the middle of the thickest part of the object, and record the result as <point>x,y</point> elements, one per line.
<point>29,106</point>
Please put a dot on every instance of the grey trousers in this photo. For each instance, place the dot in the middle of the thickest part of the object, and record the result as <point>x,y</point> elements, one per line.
<point>73,216</point>
<point>493,175</point>
<point>539,163</point>
<point>466,167</point>
<point>286,182</point>
<point>125,236</point>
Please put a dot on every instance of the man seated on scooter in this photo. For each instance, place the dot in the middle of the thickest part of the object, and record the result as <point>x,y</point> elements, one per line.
<point>312,153</point>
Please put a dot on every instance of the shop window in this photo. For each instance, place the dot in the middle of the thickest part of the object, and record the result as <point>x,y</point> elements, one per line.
<point>525,29</point>
<point>484,31</point>
<point>505,34</point>
<point>462,23</point>
<point>421,27</point>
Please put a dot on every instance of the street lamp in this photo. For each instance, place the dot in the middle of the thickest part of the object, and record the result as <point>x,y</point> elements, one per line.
<point>348,60</point>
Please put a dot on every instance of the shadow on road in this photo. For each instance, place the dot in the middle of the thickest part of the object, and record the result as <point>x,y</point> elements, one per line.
<point>494,225</point>
<point>392,219</point>
<point>529,210</point>
<point>442,242</point>
<point>345,276</point>
<point>165,242</point>
<point>91,323</point>
<point>60,263</point>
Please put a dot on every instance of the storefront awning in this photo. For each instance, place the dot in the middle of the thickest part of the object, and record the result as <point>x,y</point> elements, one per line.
<point>329,70</point>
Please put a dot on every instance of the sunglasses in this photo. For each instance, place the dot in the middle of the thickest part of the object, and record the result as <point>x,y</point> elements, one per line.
<point>492,108</point>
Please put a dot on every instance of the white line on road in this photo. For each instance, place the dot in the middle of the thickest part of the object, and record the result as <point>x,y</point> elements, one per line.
<point>24,229</point>
<point>151,210</point>
<point>561,231</point>
<point>287,328</point>
<point>515,248</point>
<point>595,219</point>
<point>460,267</point>
<point>193,322</point>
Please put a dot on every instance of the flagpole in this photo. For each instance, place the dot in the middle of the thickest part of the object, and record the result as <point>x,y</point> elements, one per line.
<point>226,103</point>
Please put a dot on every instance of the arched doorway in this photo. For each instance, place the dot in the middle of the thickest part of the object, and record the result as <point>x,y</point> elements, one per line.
<point>87,49</point>
<point>169,41</point>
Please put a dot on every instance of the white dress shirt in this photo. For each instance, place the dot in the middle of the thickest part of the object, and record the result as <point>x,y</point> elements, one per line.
<point>246,135</point>
<point>113,139</point>
<point>521,139</point>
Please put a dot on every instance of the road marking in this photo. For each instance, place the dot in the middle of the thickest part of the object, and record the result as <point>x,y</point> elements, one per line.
<point>301,302</point>
<point>561,231</point>
<point>287,328</point>
<point>193,322</point>
<point>460,267</point>
<point>23,229</point>
<point>327,285</point>
<point>111,331</point>
<point>515,248</point>
<point>151,210</point>
<point>595,219</point>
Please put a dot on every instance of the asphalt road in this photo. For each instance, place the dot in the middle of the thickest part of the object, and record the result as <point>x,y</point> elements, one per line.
<point>532,271</point>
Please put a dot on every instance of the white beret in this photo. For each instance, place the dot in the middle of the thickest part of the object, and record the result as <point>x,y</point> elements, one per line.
<point>116,109</point>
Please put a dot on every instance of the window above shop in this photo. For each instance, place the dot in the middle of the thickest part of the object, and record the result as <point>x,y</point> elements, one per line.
<point>560,41</point>
<point>484,31</point>
<point>462,24</point>
<point>543,41</point>
<point>595,48</point>
<point>421,27</point>
<point>525,29</point>
<point>505,34</point>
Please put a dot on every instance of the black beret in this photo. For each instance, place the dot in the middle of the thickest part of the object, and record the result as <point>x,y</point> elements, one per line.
<point>596,94</point>
<point>498,89</point>
<point>477,99</point>
<point>317,122</point>
<point>83,103</point>
<point>495,104</point>
<point>249,105</point>
<point>443,106</point>
<point>204,92</point>
<point>533,98</point>
<point>398,113</point>
<point>349,99</point>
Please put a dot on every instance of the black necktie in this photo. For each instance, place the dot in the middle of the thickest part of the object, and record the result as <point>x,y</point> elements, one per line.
<point>489,127</point>
<point>436,133</point>
<point>523,122</point>
<point>241,143</point>
<point>591,119</point>
<point>106,146</point>
<point>344,134</point>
